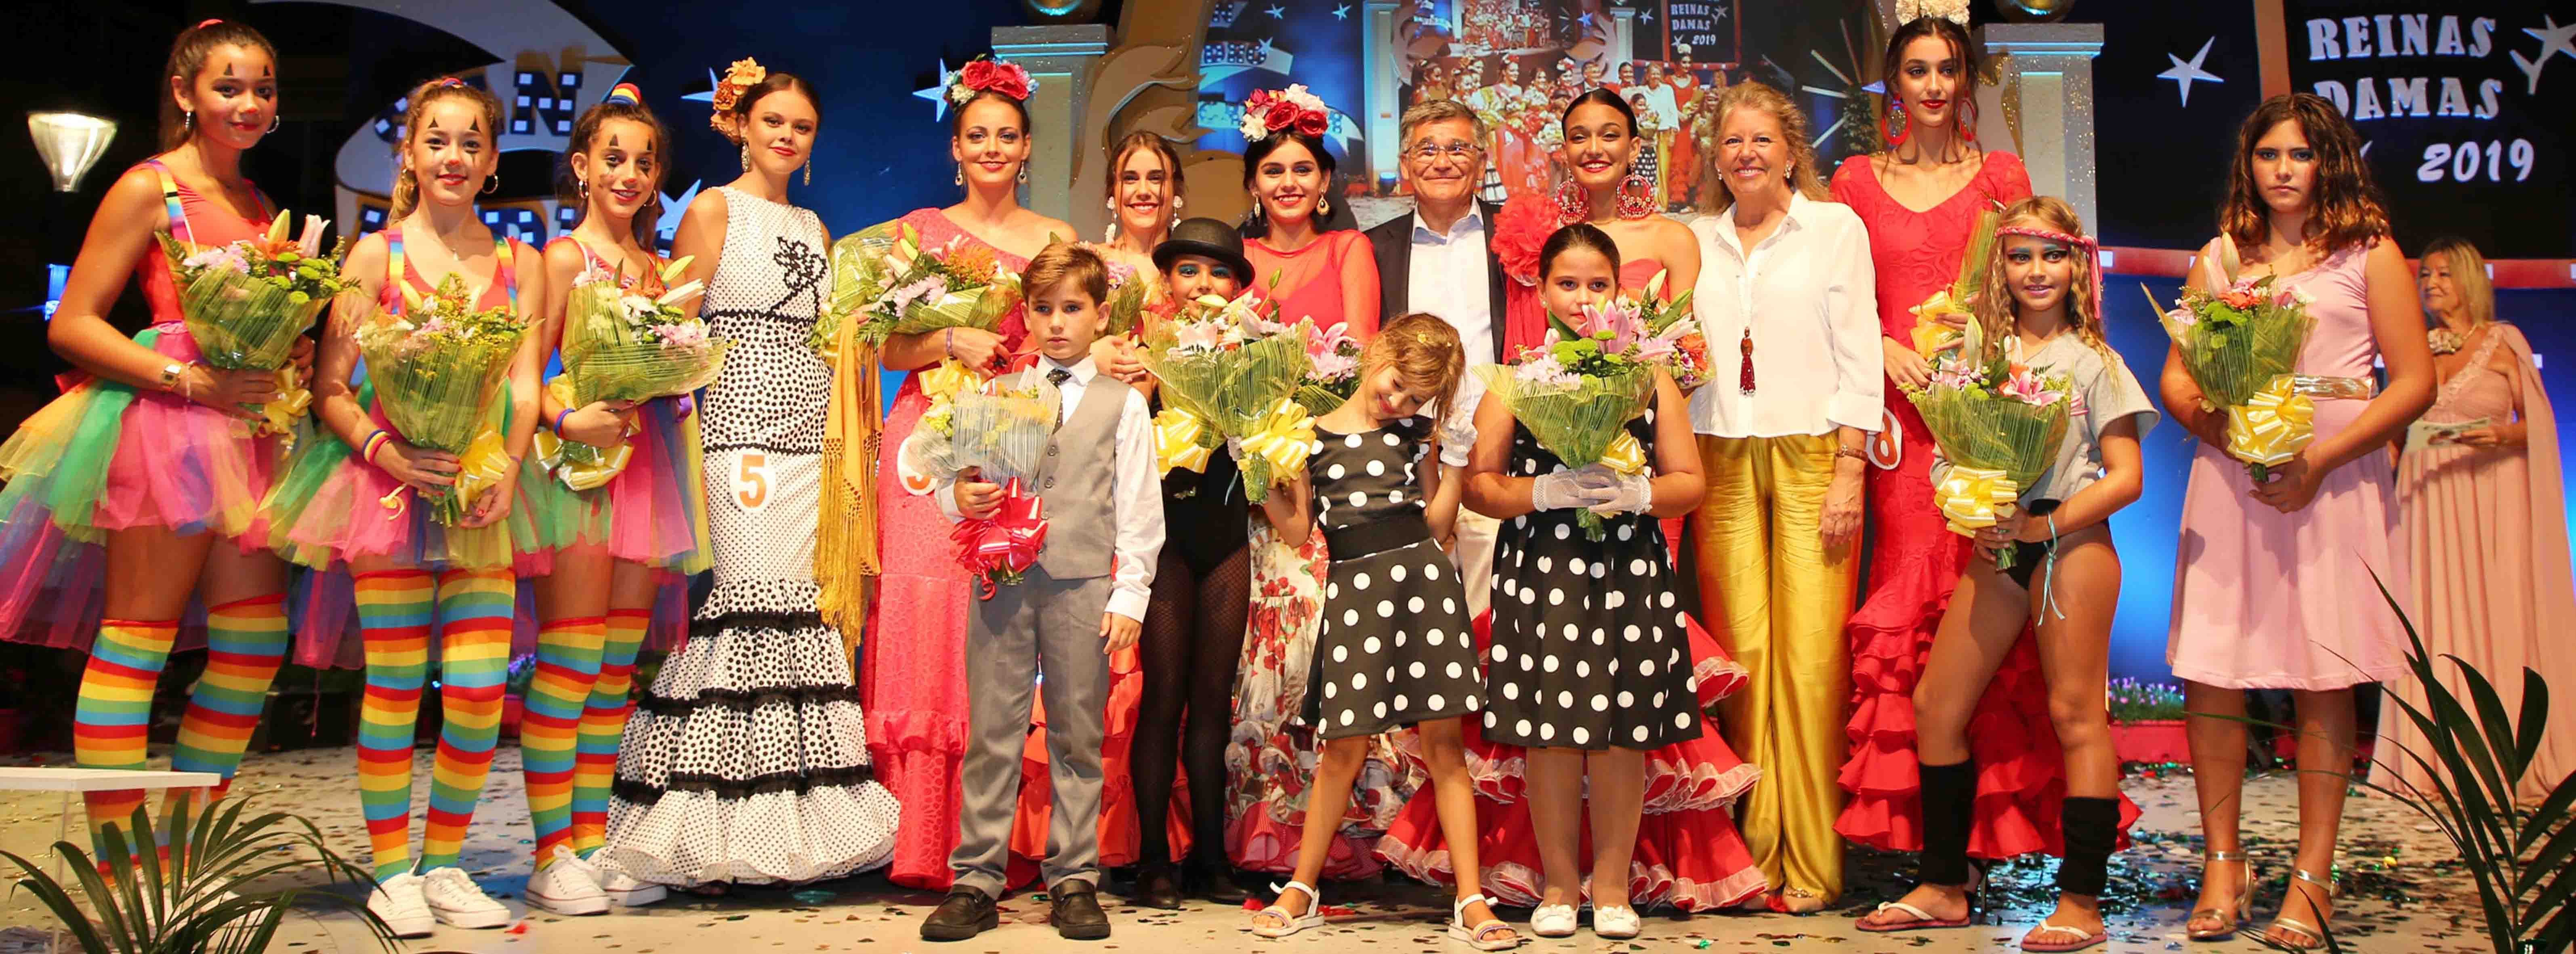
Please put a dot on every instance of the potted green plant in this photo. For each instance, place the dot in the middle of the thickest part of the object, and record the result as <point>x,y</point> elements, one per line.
<point>2146,722</point>
<point>201,898</point>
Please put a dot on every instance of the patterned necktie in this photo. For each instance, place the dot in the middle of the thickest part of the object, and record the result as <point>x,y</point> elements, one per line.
<point>1057,376</point>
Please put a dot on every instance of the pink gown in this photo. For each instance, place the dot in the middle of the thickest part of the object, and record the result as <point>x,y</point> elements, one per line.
<point>2272,600</point>
<point>2487,530</point>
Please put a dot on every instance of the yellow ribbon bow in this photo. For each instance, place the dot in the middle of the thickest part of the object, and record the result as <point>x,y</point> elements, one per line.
<point>1975,497</point>
<point>948,380</point>
<point>1182,440</point>
<point>483,466</point>
<point>1624,454</point>
<point>279,418</point>
<point>581,466</point>
<point>2273,426</point>
<point>1930,333</point>
<point>1284,438</point>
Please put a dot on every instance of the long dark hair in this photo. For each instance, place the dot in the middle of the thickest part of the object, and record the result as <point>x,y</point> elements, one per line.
<point>1261,148</point>
<point>2345,206</point>
<point>1578,235</point>
<point>776,81</point>
<point>1972,65</point>
<point>584,131</point>
<point>188,55</point>
<point>1603,96</point>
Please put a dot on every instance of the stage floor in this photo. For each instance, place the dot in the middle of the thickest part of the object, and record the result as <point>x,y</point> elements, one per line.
<point>2402,891</point>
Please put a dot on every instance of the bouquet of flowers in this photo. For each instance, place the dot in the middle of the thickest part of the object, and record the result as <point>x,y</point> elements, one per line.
<point>245,302</point>
<point>1229,369</point>
<point>1130,289</point>
<point>1998,423</point>
<point>1577,391</point>
<point>892,285</point>
<point>2241,346</point>
<point>1002,434</point>
<point>436,372</point>
<point>1332,369</point>
<point>1675,326</point>
<point>1932,333</point>
<point>623,343</point>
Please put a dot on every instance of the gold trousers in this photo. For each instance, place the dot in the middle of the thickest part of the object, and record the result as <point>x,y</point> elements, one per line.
<point>1777,601</point>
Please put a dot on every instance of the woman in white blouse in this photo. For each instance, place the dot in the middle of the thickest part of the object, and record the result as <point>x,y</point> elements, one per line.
<point>1787,301</point>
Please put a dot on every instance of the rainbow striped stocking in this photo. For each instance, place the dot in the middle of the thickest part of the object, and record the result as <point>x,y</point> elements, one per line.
<point>394,614</point>
<point>246,640</point>
<point>603,724</point>
<point>549,736</point>
<point>114,713</point>
<point>474,609</point>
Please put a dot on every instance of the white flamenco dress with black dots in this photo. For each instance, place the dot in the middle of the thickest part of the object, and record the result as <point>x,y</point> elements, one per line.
<point>1395,646</point>
<point>1590,649</point>
<point>747,760</point>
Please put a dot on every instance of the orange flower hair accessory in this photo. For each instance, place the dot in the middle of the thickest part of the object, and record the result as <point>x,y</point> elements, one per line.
<point>744,74</point>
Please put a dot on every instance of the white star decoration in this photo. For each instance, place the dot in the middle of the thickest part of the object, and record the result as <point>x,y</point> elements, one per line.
<point>2184,74</point>
<point>1277,12</point>
<point>2554,39</point>
<point>937,94</point>
<point>1342,12</point>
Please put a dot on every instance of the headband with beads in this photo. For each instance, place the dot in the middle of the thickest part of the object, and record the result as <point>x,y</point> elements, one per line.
<point>2091,247</point>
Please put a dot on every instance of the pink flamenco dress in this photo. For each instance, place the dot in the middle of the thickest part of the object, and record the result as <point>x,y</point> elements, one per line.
<point>1269,755</point>
<point>2486,528</point>
<point>106,457</point>
<point>1689,854</point>
<point>1916,561</point>
<point>2272,600</point>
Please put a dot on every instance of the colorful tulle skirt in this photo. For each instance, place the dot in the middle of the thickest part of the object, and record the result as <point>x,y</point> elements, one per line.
<point>332,509</point>
<point>654,512</point>
<point>106,457</point>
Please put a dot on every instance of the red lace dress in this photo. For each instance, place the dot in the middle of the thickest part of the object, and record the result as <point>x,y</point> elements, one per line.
<point>1916,562</point>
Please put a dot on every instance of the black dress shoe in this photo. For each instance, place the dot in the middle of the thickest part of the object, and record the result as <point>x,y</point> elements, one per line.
<point>1077,913</point>
<point>1155,887</point>
<point>966,913</point>
<point>1212,882</point>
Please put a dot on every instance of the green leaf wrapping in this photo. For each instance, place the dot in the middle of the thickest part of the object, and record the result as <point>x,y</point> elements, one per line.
<point>1234,389</point>
<point>1577,423</point>
<point>238,320</point>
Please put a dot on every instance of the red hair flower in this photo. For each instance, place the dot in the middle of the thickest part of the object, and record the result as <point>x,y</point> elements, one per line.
<point>1520,230</point>
<point>1293,110</point>
<point>980,74</point>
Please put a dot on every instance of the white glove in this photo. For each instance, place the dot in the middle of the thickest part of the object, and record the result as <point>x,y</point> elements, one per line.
<point>1565,489</point>
<point>1627,493</point>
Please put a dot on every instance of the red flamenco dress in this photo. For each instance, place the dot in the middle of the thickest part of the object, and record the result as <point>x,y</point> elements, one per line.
<point>1917,561</point>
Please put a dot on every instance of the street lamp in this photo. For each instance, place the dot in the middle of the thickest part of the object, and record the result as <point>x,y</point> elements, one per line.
<point>70,143</point>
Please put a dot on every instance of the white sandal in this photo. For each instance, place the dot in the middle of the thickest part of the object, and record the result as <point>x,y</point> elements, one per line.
<point>1617,922</point>
<point>1553,920</point>
<point>1474,936</point>
<point>1289,923</point>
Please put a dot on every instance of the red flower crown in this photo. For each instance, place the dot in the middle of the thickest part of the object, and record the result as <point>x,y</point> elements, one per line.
<point>985,73</point>
<point>1292,110</point>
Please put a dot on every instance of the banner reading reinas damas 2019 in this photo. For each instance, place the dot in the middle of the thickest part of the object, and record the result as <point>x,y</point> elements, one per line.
<point>2467,107</point>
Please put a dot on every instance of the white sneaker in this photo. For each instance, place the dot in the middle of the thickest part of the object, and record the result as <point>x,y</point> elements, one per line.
<point>458,902</point>
<point>397,901</point>
<point>567,885</point>
<point>626,889</point>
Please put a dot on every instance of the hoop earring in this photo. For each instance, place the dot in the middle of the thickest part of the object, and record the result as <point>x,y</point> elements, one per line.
<point>274,122</point>
<point>1571,204</point>
<point>746,157</point>
<point>961,175</point>
<point>492,183</point>
<point>1024,172</point>
<point>1323,207</point>
<point>585,189</point>
<point>1895,108</point>
<point>1636,196</point>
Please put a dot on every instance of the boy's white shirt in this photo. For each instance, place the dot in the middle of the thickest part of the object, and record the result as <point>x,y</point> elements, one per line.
<point>1136,493</point>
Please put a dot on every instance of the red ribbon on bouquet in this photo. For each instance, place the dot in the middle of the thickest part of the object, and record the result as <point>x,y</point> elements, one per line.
<point>1004,547</point>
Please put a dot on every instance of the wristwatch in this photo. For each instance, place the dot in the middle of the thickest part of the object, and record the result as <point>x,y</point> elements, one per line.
<point>170,375</point>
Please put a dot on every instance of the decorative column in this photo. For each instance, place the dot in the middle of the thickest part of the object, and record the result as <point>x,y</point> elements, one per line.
<point>1623,40</point>
<point>1059,58</point>
<point>2050,67</point>
<point>1385,110</point>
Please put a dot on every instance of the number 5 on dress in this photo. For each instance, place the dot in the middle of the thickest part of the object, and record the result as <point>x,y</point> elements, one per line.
<point>751,481</point>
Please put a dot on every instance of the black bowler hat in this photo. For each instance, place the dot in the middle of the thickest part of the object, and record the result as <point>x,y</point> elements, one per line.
<point>1205,237</point>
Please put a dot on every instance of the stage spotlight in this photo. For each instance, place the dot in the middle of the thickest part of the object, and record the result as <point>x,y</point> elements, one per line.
<point>70,143</point>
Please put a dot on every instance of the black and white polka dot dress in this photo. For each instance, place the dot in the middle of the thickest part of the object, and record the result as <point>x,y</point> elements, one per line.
<point>1589,646</point>
<point>747,759</point>
<point>1395,646</point>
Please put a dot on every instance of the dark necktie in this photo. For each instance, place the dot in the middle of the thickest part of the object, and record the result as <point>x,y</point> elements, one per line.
<point>1057,376</point>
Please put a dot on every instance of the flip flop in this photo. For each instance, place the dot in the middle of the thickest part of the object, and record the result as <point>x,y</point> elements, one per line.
<point>1923,920</point>
<point>2081,940</point>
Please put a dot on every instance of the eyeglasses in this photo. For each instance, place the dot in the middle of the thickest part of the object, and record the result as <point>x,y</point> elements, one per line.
<point>1428,152</point>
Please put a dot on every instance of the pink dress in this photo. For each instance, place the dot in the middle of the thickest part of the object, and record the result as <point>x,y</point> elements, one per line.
<point>2272,600</point>
<point>106,457</point>
<point>2487,530</point>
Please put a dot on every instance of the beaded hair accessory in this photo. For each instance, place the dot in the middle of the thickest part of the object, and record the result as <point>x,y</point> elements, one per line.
<point>2092,248</point>
<point>1955,11</point>
<point>986,73</point>
<point>744,74</point>
<point>1291,110</point>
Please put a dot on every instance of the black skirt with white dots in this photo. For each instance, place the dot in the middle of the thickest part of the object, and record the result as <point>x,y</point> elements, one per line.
<point>1589,644</point>
<point>1395,646</point>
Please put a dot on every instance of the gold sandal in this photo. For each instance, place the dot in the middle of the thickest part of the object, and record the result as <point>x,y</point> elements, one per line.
<point>2230,919</point>
<point>2316,936</point>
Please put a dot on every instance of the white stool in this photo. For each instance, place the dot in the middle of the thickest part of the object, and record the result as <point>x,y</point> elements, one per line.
<point>77,781</point>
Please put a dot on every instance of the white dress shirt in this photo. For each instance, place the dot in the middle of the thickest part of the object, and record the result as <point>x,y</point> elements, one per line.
<point>1449,277</point>
<point>1810,295</point>
<point>1137,489</point>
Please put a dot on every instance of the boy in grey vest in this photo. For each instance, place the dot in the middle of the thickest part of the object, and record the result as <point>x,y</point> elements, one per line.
<point>1082,601</point>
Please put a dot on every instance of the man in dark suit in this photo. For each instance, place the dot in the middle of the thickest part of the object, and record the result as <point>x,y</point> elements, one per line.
<point>1438,259</point>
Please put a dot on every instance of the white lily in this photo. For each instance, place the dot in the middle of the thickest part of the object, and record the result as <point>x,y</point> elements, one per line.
<point>673,298</point>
